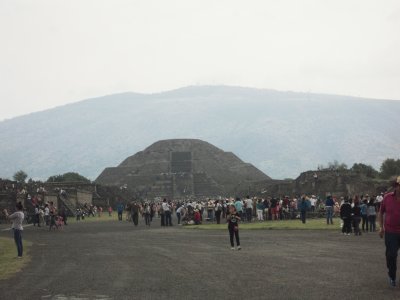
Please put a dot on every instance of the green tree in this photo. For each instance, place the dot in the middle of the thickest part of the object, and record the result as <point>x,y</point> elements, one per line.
<point>390,167</point>
<point>20,176</point>
<point>68,177</point>
<point>367,170</point>
<point>335,165</point>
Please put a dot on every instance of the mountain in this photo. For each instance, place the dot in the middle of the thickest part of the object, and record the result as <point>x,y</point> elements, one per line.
<point>281,133</point>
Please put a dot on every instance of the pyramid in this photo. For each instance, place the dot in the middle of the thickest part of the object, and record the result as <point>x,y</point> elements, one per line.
<point>182,168</point>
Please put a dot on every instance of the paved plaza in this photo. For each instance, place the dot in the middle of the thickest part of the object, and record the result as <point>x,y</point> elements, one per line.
<point>116,260</point>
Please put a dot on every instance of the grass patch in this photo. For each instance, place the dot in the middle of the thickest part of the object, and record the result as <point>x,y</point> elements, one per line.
<point>9,265</point>
<point>311,224</point>
<point>104,218</point>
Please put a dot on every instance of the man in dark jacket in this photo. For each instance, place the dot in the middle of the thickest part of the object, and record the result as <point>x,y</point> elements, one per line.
<point>345,215</point>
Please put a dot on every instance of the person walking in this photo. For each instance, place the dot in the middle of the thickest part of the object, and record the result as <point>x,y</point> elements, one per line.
<point>135,213</point>
<point>17,218</point>
<point>233,219</point>
<point>147,214</point>
<point>389,216</point>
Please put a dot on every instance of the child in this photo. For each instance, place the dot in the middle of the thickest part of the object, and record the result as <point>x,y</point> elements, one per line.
<point>233,219</point>
<point>52,221</point>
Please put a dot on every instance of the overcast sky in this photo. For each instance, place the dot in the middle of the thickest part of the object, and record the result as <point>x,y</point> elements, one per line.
<point>56,52</point>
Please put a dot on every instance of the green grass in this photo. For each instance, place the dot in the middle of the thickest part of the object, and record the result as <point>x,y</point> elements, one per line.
<point>104,218</point>
<point>9,265</point>
<point>311,224</point>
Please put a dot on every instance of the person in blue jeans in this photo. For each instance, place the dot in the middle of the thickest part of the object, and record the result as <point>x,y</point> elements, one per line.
<point>120,210</point>
<point>17,218</point>
<point>329,204</point>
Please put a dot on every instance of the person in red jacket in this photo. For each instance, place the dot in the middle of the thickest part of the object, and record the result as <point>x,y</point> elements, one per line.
<point>389,221</point>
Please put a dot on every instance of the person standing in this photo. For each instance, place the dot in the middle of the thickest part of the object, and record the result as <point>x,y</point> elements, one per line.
<point>17,218</point>
<point>260,210</point>
<point>364,215</point>
<point>120,210</point>
<point>389,216</point>
<point>167,212</point>
<point>36,218</point>
<point>303,206</point>
<point>329,204</point>
<point>46,214</point>
<point>345,214</point>
<point>218,211</point>
<point>371,215</point>
<point>233,219</point>
<point>179,213</point>
<point>239,207</point>
<point>356,212</point>
<point>249,208</point>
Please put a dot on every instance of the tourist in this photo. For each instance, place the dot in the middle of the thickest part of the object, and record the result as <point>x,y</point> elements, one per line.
<point>218,211</point>
<point>179,213</point>
<point>260,210</point>
<point>329,204</point>
<point>389,216</point>
<point>36,217</point>
<point>303,206</point>
<point>120,210</point>
<point>364,215</point>
<point>167,212</point>
<point>46,214</point>
<point>135,213</point>
<point>197,217</point>
<point>273,208</point>
<point>372,215</point>
<point>345,215</point>
<point>249,208</point>
<point>233,219</point>
<point>17,218</point>
<point>63,215</point>
<point>239,206</point>
<point>147,213</point>
<point>356,217</point>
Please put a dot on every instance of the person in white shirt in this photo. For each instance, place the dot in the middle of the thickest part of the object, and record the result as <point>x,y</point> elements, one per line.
<point>17,218</point>
<point>249,208</point>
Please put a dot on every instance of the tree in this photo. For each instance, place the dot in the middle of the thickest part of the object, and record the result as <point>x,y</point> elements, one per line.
<point>367,170</point>
<point>20,176</point>
<point>335,165</point>
<point>68,177</point>
<point>390,167</point>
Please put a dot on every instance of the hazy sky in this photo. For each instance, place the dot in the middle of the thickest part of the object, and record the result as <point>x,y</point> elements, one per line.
<point>56,52</point>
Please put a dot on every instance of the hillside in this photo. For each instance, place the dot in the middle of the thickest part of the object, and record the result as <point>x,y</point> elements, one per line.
<point>281,133</point>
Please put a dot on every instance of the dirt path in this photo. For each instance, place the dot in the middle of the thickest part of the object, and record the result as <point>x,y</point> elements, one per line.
<point>115,260</point>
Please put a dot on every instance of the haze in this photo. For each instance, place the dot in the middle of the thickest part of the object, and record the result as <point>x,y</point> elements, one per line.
<point>57,52</point>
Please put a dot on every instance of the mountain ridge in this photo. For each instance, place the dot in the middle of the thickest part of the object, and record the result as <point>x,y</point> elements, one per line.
<point>281,133</point>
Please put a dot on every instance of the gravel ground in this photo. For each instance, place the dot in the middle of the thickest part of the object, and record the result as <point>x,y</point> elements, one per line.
<point>116,260</point>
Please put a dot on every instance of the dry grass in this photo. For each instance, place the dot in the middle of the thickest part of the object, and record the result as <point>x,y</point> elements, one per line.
<point>9,264</point>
